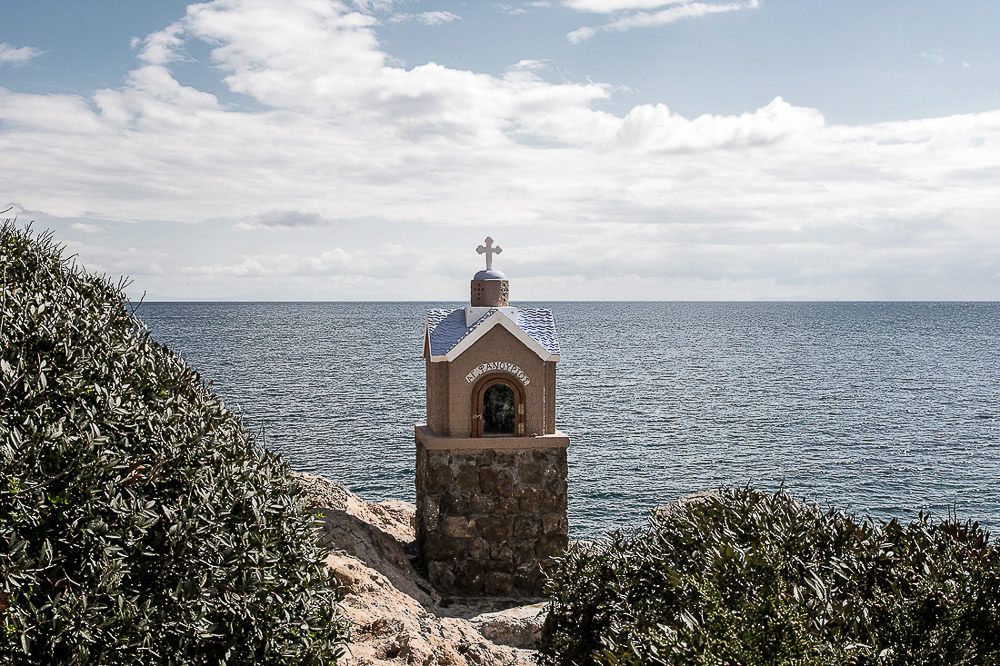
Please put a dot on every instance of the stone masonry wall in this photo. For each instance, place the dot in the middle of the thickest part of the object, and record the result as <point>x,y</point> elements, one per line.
<point>490,293</point>
<point>489,520</point>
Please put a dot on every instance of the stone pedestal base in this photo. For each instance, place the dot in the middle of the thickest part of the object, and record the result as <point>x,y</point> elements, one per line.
<point>490,511</point>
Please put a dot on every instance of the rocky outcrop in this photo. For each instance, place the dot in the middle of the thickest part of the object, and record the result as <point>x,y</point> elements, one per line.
<point>397,617</point>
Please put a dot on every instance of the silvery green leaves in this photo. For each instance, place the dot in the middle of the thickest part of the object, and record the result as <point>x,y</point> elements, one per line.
<point>741,576</point>
<point>139,521</point>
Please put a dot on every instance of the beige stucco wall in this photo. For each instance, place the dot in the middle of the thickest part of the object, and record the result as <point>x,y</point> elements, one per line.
<point>437,397</point>
<point>449,394</point>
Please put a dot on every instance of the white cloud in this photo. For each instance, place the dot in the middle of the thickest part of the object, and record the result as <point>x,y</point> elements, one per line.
<point>86,228</point>
<point>673,14</point>
<point>373,5</point>
<point>387,260</point>
<point>426,18</point>
<point>11,55</point>
<point>529,66</point>
<point>161,47</point>
<point>653,128</point>
<point>113,261</point>
<point>773,202</point>
<point>580,35</point>
<point>612,6</point>
<point>433,18</point>
<point>630,14</point>
<point>509,9</point>
<point>934,55</point>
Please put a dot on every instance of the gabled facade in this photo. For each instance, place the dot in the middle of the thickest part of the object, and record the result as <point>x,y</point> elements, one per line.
<point>469,349</point>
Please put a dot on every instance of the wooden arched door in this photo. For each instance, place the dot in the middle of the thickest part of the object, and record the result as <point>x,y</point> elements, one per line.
<point>498,407</point>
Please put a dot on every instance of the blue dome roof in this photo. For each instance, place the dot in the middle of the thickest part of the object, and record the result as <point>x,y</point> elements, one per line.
<point>490,275</point>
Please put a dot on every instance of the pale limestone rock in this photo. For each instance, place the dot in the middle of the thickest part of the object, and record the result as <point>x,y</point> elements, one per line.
<point>519,627</point>
<point>397,618</point>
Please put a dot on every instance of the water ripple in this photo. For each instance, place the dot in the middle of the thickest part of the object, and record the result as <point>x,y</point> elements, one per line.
<point>879,408</point>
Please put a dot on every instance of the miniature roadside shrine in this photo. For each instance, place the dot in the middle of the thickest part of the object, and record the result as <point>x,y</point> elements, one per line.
<point>491,470</point>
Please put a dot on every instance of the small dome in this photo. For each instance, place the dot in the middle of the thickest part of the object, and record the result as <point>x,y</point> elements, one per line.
<point>490,275</point>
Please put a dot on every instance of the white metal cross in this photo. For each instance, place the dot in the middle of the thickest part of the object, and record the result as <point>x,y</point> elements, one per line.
<point>489,250</point>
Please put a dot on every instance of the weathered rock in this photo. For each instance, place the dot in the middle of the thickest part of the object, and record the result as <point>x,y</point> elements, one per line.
<point>519,627</point>
<point>397,617</point>
<point>668,510</point>
<point>376,534</point>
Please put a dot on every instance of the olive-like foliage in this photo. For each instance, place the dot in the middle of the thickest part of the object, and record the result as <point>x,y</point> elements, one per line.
<point>140,522</point>
<point>746,577</point>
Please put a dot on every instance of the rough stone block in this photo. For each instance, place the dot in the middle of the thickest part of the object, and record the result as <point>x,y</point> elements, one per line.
<point>505,459</point>
<point>438,458</point>
<point>528,581</point>
<point>467,478</point>
<point>481,504</point>
<point>525,527</point>
<point>457,527</point>
<point>489,480</point>
<point>479,549</point>
<point>561,485</point>
<point>431,513</point>
<point>499,584</point>
<point>527,499</point>
<point>495,528</point>
<point>470,577</point>
<point>438,479</point>
<point>524,552</point>
<point>441,575</point>
<point>529,472</point>
<point>505,483</point>
<point>439,547</point>
<point>502,552</point>
<point>453,504</point>
<point>550,545</point>
<point>551,501</point>
<point>507,506</point>
<point>554,523</point>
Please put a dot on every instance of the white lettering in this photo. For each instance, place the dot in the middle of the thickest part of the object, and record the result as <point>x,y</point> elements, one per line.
<point>498,366</point>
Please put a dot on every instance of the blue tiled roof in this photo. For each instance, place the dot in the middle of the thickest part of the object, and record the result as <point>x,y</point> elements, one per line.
<point>446,328</point>
<point>539,324</point>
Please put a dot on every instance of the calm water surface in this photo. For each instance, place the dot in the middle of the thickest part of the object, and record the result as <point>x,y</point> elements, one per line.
<point>878,408</point>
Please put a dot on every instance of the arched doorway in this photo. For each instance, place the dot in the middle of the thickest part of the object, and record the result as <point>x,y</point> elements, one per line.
<point>498,407</point>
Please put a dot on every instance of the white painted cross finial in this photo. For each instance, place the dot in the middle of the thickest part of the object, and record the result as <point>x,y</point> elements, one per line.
<point>489,251</point>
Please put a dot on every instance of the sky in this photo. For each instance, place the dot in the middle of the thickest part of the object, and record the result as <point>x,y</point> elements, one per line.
<point>260,150</point>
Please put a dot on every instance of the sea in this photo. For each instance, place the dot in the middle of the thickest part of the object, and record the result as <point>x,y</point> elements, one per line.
<point>879,409</point>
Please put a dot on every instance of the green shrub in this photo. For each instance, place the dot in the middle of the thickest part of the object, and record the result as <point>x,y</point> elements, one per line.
<point>139,522</point>
<point>751,578</point>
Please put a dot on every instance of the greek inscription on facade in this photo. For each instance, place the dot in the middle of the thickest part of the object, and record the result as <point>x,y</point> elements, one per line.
<point>498,366</point>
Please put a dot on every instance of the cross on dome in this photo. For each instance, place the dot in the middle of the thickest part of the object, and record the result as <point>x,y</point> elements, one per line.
<point>489,250</point>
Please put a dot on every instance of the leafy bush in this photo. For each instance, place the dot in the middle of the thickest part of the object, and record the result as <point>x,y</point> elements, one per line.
<point>751,578</point>
<point>139,523</point>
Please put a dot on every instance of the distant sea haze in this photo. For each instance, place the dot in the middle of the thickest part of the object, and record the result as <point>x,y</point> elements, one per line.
<point>884,409</point>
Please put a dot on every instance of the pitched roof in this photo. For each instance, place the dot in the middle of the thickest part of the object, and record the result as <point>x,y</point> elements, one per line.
<point>449,333</point>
